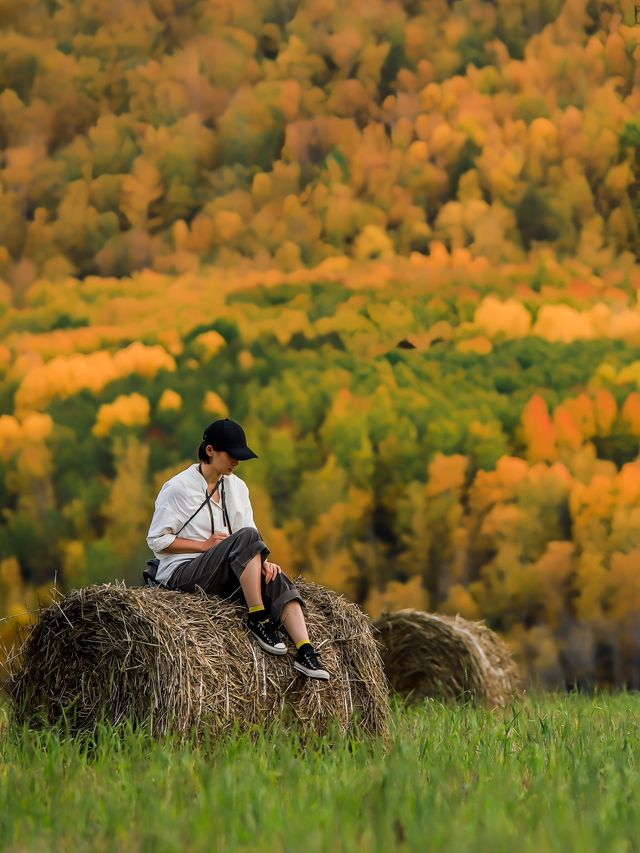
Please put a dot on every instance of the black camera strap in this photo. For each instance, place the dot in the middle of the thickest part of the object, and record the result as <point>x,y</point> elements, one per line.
<point>218,485</point>
<point>225,514</point>
<point>223,504</point>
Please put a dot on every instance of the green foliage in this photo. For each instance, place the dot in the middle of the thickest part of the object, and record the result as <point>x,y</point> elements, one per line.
<point>631,134</point>
<point>536,219</point>
<point>33,537</point>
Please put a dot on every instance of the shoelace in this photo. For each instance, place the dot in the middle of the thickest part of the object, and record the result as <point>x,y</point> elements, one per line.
<point>267,632</point>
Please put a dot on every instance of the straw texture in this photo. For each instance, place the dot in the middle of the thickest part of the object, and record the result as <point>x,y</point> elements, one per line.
<point>185,663</point>
<point>444,657</point>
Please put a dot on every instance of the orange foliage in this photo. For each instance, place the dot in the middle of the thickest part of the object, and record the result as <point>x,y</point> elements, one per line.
<point>568,433</point>
<point>606,411</point>
<point>539,431</point>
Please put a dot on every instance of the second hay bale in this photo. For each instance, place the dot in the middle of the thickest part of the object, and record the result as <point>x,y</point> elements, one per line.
<point>432,656</point>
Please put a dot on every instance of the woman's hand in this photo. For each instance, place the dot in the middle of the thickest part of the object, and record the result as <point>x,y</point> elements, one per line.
<point>270,571</point>
<point>214,540</point>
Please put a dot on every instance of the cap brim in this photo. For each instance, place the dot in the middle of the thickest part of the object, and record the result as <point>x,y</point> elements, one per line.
<point>242,453</point>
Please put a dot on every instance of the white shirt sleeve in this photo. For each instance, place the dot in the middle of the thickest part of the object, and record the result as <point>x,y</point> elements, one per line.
<point>170,514</point>
<point>244,511</point>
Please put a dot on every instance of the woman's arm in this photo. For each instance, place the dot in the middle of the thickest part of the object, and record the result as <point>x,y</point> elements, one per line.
<point>193,546</point>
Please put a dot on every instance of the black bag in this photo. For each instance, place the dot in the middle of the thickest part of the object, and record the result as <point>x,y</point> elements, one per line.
<point>149,574</point>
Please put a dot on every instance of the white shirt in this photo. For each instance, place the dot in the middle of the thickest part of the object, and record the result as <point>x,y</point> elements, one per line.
<point>178,499</point>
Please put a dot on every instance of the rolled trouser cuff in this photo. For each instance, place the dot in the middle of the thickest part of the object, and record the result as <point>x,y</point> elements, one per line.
<point>248,544</point>
<point>280,595</point>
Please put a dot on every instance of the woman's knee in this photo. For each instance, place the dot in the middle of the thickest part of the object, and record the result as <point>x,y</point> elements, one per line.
<point>280,584</point>
<point>247,534</point>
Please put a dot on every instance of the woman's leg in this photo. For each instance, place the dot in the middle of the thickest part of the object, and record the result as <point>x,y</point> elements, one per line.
<point>292,620</point>
<point>250,581</point>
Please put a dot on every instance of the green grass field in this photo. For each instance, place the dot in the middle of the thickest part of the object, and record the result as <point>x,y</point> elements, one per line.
<point>554,773</point>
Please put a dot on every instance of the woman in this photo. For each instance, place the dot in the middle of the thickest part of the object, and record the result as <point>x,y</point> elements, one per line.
<point>204,535</point>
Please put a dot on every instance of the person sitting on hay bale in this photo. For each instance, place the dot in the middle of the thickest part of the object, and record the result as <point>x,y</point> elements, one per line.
<point>230,556</point>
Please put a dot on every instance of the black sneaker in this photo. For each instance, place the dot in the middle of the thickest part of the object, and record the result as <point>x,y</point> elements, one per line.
<point>267,636</point>
<point>307,662</point>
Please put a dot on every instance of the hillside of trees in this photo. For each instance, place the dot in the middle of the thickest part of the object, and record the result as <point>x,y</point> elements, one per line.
<point>163,134</point>
<point>397,240</point>
<point>422,442</point>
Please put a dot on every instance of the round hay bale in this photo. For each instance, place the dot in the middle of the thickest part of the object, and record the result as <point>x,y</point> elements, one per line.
<point>444,657</point>
<point>185,663</point>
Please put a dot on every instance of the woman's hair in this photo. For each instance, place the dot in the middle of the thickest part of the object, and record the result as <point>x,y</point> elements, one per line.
<point>202,452</point>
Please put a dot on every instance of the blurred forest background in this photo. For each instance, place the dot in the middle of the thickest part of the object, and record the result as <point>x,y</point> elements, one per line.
<point>398,240</point>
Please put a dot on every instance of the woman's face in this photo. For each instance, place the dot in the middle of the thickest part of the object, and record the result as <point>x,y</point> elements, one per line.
<point>221,461</point>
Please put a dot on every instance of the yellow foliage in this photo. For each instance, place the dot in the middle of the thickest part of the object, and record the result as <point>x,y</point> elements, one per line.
<point>536,652</point>
<point>625,585</point>
<point>73,563</point>
<point>594,583</point>
<point>592,505</point>
<point>553,571</point>
<point>229,225</point>
<point>631,413</point>
<point>563,323</point>
<point>262,189</point>
<point>10,574</point>
<point>170,401</point>
<point>349,97</point>
<point>282,548</point>
<point>625,325</point>
<point>10,435</point>
<point>65,376</point>
<point>139,189</point>
<point>630,373</point>
<point>493,487</point>
<point>15,434</point>
<point>214,404</point>
<point>397,595</point>
<point>345,46</point>
<point>330,555</point>
<point>36,426</point>
<point>129,410</point>
<point>210,343</point>
<point>478,344</point>
<point>289,256</point>
<point>447,474</point>
<point>130,502</point>
<point>508,319</point>
<point>246,359</point>
<point>501,521</point>
<point>373,242</point>
<point>460,602</point>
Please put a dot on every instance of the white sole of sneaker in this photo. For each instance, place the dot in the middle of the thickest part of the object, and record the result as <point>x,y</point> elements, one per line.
<point>320,674</point>
<point>272,650</point>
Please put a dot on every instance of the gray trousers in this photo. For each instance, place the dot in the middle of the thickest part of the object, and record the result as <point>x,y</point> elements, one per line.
<point>217,572</point>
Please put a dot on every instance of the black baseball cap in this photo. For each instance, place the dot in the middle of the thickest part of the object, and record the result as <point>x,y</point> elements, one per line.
<point>229,436</point>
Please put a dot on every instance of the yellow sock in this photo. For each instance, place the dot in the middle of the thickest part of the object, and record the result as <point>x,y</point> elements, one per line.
<point>302,643</point>
<point>257,608</point>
